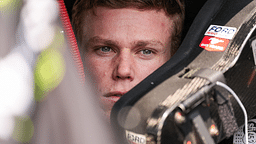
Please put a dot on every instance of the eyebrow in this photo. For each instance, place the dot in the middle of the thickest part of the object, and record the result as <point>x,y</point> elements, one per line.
<point>97,39</point>
<point>142,43</point>
<point>139,43</point>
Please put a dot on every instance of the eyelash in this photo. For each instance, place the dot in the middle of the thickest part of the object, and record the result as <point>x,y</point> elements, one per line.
<point>99,50</point>
<point>146,50</point>
<point>151,50</point>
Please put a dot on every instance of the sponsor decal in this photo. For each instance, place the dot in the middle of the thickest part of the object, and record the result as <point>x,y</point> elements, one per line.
<point>239,136</point>
<point>221,31</point>
<point>134,138</point>
<point>216,44</point>
<point>217,38</point>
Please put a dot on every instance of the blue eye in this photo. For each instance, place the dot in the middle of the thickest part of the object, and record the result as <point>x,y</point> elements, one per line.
<point>105,49</point>
<point>146,52</point>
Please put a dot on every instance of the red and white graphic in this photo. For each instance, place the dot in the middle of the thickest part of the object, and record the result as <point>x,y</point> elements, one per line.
<point>216,44</point>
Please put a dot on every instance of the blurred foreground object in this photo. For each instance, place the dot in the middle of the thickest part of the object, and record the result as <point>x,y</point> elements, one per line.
<point>42,97</point>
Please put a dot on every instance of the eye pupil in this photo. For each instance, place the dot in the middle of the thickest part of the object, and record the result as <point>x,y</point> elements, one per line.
<point>147,52</point>
<point>105,49</point>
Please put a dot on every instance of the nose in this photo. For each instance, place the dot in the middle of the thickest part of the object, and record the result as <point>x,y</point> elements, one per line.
<point>124,68</point>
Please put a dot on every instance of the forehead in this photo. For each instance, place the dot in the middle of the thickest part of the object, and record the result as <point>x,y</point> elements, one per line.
<point>106,12</point>
<point>139,24</point>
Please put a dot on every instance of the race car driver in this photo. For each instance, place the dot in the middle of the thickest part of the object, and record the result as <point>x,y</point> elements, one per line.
<point>121,42</point>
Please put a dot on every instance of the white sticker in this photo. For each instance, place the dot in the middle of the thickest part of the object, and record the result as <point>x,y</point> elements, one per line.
<point>135,138</point>
<point>221,31</point>
<point>239,137</point>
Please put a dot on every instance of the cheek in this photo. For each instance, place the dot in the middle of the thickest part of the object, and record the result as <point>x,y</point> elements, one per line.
<point>166,57</point>
<point>100,69</point>
<point>149,67</point>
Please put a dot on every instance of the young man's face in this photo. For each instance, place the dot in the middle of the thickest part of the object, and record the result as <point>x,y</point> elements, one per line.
<point>123,47</point>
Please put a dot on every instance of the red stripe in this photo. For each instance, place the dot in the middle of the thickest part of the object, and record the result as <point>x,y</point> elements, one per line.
<point>71,39</point>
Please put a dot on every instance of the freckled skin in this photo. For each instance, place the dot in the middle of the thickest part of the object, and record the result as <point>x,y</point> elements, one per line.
<point>124,46</point>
